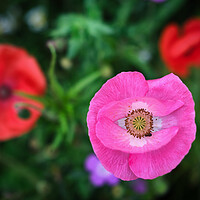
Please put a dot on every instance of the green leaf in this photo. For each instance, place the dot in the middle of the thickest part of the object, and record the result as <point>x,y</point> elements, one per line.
<point>80,85</point>
<point>62,130</point>
<point>75,45</point>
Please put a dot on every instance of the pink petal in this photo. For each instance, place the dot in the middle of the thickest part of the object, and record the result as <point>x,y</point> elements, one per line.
<point>116,110</point>
<point>124,85</point>
<point>159,162</point>
<point>119,109</point>
<point>171,87</point>
<point>115,162</point>
<point>117,138</point>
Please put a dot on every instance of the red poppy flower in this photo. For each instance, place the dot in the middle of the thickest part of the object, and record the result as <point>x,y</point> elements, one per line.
<point>180,47</point>
<point>18,72</point>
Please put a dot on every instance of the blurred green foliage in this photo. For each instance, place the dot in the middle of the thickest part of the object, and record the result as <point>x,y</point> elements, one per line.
<point>85,43</point>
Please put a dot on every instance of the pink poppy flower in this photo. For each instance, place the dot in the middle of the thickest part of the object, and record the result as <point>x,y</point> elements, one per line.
<point>141,129</point>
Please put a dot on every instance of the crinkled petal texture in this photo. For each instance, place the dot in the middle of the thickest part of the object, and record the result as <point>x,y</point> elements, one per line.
<point>180,49</point>
<point>20,72</point>
<point>127,157</point>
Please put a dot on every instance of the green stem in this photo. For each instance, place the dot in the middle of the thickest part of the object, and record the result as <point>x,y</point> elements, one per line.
<point>73,91</point>
<point>29,96</point>
<point>54,84</point>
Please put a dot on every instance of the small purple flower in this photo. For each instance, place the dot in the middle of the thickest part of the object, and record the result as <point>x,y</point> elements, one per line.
<point>98,174</point>
<point>140,186</point>
<point>158,1</point>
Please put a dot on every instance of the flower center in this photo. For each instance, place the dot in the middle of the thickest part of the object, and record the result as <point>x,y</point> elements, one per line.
<point>139,123</point>
<point>5,92</point>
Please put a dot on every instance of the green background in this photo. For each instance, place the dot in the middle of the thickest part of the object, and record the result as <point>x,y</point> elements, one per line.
<point>94,40</point>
